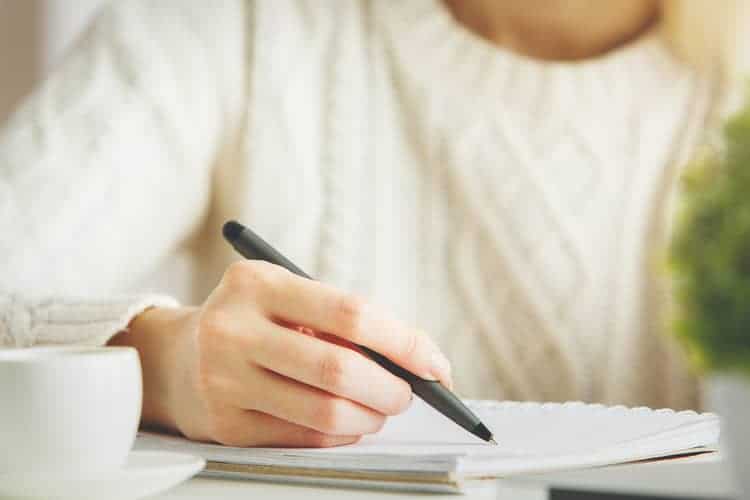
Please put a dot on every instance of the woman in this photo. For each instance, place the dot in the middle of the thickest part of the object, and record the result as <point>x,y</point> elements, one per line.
<point>491,171</point>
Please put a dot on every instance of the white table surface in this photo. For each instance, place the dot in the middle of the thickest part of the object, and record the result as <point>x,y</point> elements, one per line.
<point>702,476</point>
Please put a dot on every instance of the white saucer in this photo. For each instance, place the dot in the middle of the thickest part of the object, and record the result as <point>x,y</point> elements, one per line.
<point>145,473</point>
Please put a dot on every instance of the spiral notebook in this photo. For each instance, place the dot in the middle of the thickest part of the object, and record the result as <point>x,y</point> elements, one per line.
<point>422,450</point>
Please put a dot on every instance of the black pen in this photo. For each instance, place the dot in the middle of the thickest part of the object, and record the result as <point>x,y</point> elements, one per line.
<point>251,246</point>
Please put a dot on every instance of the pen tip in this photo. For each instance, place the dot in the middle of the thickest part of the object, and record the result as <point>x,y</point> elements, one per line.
<point>492,441</point>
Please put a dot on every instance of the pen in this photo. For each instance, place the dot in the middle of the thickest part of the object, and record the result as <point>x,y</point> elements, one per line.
<point>251,246</point>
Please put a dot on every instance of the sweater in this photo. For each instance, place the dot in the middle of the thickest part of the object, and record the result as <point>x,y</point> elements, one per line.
<point>513,208</point>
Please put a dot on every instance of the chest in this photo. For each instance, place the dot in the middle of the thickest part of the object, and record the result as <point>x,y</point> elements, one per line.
<point>550,181</point>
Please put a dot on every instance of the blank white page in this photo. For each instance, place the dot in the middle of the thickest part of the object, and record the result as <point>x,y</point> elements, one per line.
<point>532,437</point>
<point>528,429</point>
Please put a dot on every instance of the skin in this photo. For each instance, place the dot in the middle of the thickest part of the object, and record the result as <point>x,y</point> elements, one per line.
<point>246,369</point>
<point>556,29</point>
<point>267,359</point>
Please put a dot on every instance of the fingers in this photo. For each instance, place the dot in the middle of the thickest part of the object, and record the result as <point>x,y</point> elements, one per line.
<point>252,428</point>
<point>258,383</point>
<point>323,308</point>
<point>289,400</point>
<point>329,367</point>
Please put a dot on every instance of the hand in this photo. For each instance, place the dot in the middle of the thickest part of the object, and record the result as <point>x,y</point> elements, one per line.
<point>248,369</point>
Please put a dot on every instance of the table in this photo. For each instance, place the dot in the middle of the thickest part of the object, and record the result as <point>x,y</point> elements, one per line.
<point>698,477</point>
<point>691,477</point>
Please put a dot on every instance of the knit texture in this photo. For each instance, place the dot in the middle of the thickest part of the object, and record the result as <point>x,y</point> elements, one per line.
<point>513,208</point>
<point>557,193</point>
<point>57,321</point>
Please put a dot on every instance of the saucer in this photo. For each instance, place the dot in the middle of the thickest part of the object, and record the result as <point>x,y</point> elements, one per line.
<point>145,473</point>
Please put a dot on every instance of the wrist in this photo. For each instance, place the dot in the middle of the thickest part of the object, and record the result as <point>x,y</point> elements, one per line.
<point>156,334</point>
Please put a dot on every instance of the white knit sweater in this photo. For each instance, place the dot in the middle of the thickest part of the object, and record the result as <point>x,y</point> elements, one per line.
<point>510,207</point>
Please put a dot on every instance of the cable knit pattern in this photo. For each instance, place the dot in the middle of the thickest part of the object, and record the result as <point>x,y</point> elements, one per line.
<point>105,170</point>
<point>508,206</point>
<point>557,196</point>
<point>86,322</point>
<point>342,159</point>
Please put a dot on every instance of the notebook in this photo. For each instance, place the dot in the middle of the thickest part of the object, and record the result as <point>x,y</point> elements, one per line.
<point>421,450</point>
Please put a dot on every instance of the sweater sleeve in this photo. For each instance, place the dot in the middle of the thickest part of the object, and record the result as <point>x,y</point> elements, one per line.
<point>106,169</point>
<point>25,323</point>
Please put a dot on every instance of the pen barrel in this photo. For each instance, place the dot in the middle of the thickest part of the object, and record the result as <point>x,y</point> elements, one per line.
<point>252,246</point>
<point>431,392</point>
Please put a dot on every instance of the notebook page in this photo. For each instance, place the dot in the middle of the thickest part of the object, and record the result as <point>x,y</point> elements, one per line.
<point>528,429</point>
<point>532,436</point>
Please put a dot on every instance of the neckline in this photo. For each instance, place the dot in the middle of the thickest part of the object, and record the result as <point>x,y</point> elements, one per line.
<point>437,47</point>
<point>470,38</point>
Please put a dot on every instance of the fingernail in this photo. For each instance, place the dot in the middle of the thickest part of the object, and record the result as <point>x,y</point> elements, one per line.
<point>441,367</point>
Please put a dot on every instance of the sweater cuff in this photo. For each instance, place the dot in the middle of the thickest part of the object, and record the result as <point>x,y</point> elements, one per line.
<point>83,322</point>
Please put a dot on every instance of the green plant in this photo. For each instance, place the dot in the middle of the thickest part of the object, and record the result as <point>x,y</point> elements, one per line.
<point>710,253</point>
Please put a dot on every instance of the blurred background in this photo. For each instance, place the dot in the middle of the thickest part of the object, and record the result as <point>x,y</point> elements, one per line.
<point>33,36</point>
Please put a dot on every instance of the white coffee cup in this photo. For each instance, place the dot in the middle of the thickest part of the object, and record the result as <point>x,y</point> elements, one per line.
<point>68,410</point>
